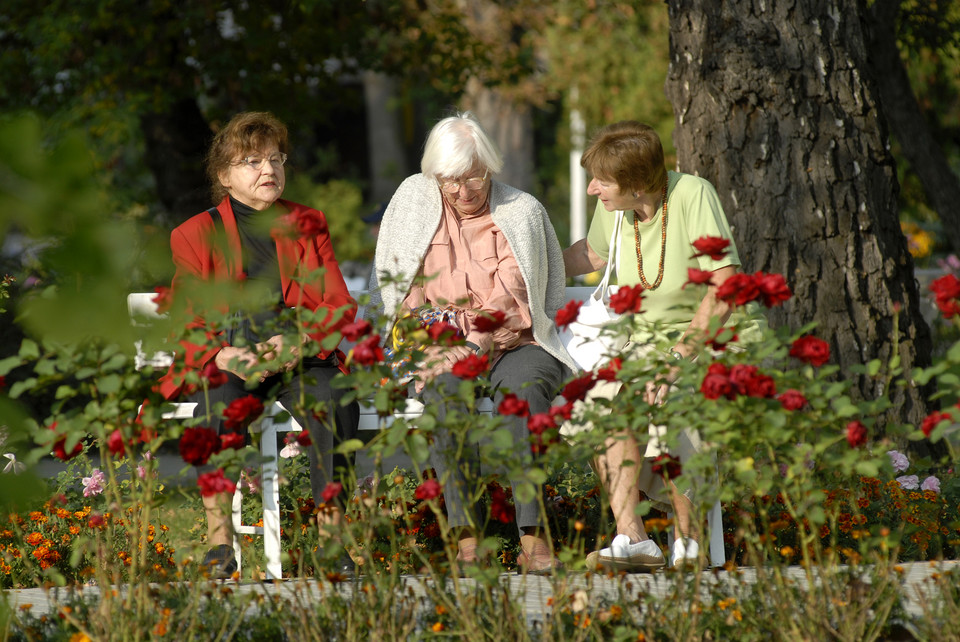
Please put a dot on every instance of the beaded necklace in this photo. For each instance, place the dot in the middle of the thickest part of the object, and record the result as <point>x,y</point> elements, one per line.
<point>663,246</point>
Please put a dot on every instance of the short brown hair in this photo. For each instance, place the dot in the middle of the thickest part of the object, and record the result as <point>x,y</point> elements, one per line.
<point>629,154</point>
<point>247,132</point>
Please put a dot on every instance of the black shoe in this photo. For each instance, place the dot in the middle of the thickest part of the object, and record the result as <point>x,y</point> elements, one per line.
<point>220,562</point>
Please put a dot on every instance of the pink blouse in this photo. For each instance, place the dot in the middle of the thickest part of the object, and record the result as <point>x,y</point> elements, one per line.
<point>474,269</point>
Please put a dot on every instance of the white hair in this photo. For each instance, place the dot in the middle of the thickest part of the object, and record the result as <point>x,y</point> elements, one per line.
<point>455,144</point>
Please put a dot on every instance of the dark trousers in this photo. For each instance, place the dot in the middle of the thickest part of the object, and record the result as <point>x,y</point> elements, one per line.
<point>338,424</point>
<point>529,372</point>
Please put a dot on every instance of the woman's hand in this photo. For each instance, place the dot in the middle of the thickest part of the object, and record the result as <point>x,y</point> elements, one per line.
<point>276,347</point>
<point>238,361</point>
<point>440,359</point>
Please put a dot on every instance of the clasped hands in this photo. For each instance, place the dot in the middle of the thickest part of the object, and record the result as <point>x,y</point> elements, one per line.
<point>267,358</point>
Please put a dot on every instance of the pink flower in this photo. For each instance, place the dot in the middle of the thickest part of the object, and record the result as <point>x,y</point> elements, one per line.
<point>93,485</point>
<point>898,460</point>
<point>931,483</point>
<point>909,482</point>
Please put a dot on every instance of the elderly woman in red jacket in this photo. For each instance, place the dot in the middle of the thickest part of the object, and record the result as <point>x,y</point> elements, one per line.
<point>278,253</point>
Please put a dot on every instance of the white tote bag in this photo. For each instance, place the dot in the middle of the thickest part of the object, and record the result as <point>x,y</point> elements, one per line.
<point>584,338</point>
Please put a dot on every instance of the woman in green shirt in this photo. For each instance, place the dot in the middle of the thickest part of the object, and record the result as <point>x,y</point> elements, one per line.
<point>663,213</point>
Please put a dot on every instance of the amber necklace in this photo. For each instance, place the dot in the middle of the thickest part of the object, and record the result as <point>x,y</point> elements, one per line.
<point>663,246</point>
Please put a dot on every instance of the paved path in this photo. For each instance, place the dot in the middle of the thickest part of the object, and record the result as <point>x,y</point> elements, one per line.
<point>536,592</point>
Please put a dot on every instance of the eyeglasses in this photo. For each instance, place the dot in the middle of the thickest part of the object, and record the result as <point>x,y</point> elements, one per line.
<point>256,162</point>
<point>472,184</point>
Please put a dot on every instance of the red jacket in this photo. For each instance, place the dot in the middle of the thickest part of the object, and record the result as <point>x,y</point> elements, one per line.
<point>197,256</point>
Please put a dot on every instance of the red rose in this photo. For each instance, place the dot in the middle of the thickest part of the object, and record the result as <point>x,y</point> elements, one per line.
<point>947,292</point>
<point>330,491</point>
<point>197,444</point>
<point>353,331</point>
<point>540,422</point>
<point>627,299</point>
<point>471,366</point>
<point>511,404</point>
<point>568,313</point>
<point>716,385</point>
<point>856,434</point>
<point>930,421</point>
<point>564,411</point>
<point>810,349</point>
<point>716,343</point>
<point>501,509</point>
<point>215,483</point>
<point>60,447</point>
<point>163,299</point>
<point>233,440</point>
<point>3,382</point>
<point>96,520</point>
<point>443,333</point>
<point>761,386</point>
<point>303,439</point>
<point>368,352</point>
<point>115,442</point>
<point>738,289</point>
<point>666,466</point>
<point>792,399</point>
<point>310,223</point>
<point>578,388</point>
<point>713,246</point>
<point>242,412</point>
<point>698,277</point>
<point>429,489</point>
<point>213,375</point>
<point>609,371</point>
<point>740,377</point>
<point>489,320</point>
<point>773,288</point>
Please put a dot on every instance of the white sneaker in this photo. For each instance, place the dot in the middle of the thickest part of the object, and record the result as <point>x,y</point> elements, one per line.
<point>686,552</point>
<point>624,555</point>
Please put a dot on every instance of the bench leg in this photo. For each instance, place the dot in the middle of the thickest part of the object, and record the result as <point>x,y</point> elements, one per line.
<point>237,522</point>
<point>271,499</point>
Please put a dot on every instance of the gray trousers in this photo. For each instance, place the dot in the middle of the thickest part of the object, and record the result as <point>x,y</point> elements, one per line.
<point>339,424</point>
<point>529,372</point>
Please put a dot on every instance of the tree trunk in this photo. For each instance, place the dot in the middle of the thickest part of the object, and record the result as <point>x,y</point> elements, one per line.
<point>908,123</point>
<point>510,124</point>
<point>176,142</point>
<point>774,106</point>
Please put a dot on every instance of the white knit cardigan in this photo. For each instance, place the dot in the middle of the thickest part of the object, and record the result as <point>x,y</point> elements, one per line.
<point>410,223</point>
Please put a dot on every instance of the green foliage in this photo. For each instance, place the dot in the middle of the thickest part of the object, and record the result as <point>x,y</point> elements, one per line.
<point>341,202</point>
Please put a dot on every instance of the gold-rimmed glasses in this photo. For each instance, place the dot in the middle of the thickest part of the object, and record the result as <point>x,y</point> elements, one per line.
<point>472,184</point>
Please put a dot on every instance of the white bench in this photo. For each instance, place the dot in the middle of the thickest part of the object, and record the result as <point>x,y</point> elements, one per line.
<point>140,305</point>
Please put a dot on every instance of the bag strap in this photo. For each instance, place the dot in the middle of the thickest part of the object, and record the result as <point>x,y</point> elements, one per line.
<point>612,257</point>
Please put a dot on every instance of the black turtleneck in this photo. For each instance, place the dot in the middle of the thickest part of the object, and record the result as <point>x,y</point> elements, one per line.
<point>261,265</point>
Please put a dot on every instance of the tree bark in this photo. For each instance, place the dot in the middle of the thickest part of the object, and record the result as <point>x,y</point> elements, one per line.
<point>176,142</point>
<point>774,105</point>
<point>907,121</point>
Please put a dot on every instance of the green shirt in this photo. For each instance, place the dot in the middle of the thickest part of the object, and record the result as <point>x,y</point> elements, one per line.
<point>693,211</point>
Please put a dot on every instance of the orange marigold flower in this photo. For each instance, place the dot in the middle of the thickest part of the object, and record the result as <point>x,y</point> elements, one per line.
<point>37,516</point>
<point>34,539</point>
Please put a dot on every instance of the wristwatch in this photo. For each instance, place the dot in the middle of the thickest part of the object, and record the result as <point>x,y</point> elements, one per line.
<point>676,355</point>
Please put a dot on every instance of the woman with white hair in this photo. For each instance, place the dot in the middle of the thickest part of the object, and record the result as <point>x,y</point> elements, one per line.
<point>485,257</point>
